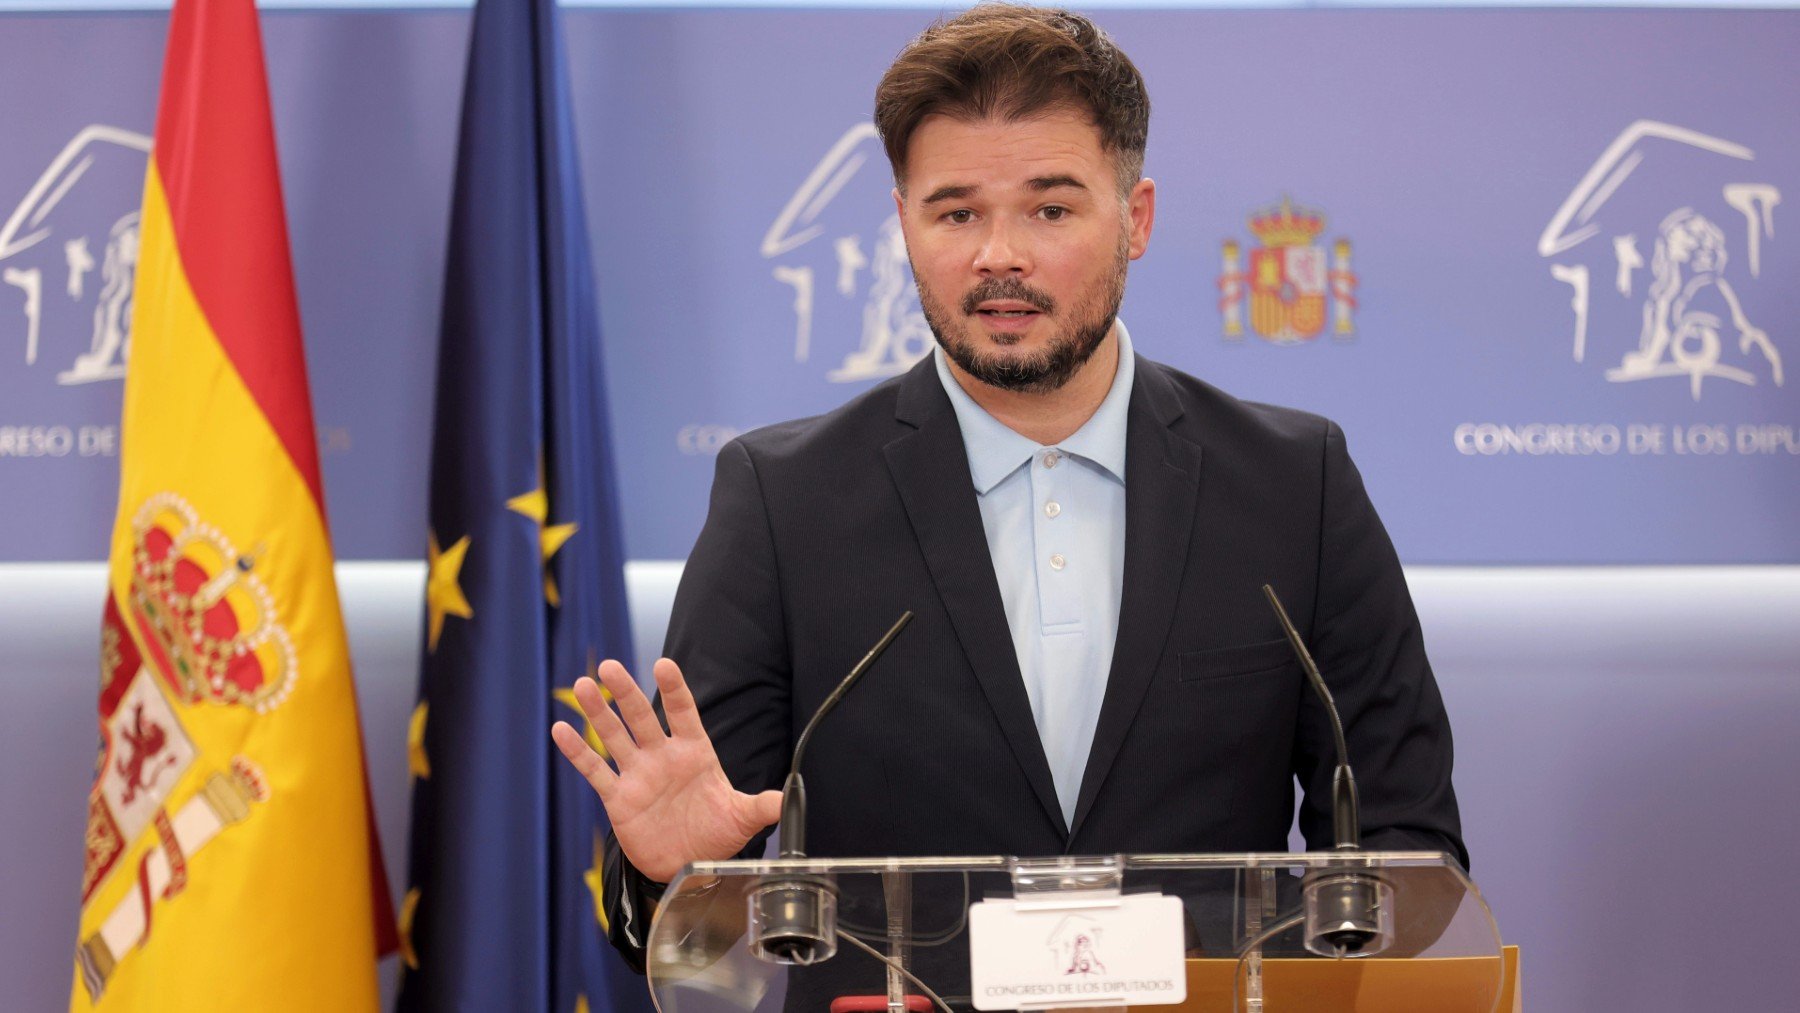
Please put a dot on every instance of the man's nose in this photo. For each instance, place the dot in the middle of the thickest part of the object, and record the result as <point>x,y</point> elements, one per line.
<point>1005,249</point>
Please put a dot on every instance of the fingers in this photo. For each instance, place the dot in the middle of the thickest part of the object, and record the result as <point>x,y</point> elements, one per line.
<point>586,762</point>
<point>633,706</point>
<point>678,701</point>
<point>618,742</point>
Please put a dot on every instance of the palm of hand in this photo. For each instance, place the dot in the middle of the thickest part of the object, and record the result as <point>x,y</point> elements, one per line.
<point>677,807</point>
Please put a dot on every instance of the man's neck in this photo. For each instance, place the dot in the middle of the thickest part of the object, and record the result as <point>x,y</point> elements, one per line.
<point>1049,417</point>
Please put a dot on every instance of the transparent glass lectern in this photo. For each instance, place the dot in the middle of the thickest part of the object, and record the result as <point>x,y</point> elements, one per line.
<point>1255,931</point>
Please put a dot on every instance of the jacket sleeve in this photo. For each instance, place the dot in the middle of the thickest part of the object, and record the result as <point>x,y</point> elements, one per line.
<point>629,898</point>
<point>1366,640</point>
<point>727,631</point>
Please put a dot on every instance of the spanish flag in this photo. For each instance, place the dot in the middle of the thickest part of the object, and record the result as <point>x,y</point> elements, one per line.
<point>231,856</point>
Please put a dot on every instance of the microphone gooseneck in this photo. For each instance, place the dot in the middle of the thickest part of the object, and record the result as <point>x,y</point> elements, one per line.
<point>1349,910</point>
<point>793,918</point>
<point>1345,822</point>
<point>793,790</point>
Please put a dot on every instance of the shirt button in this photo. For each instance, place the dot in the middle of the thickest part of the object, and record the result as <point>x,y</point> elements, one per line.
<point>1051,458</point>
<point>1052,508</point>
<point>1057,561</point>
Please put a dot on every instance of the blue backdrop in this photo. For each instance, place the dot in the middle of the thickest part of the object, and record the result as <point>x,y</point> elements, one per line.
<point>1570,284</point>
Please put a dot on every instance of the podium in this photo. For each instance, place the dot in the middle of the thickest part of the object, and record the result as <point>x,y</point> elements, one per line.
<point>1244,932</point>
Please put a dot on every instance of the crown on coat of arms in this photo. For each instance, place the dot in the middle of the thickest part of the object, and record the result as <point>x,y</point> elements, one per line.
<point>204,606</point>
<point>1287,224</point>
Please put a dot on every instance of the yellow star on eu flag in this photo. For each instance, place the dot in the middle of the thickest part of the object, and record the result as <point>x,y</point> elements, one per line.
<point>551,537</point>
<point>408,908</point>
<point>597,885</point>
<point>443,587</point>
<point>417,763</point>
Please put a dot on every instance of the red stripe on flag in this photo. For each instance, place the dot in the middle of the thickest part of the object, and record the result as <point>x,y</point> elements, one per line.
<point>215,154</point>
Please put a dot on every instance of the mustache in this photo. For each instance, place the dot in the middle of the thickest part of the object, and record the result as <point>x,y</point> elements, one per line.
<point>1006,288</point>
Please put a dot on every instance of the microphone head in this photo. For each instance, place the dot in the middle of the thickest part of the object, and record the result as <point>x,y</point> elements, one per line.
<point>1348,913</point>
<point>793,920</point>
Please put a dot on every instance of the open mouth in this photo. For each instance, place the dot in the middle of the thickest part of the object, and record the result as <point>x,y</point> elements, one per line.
<point>1007,311</point>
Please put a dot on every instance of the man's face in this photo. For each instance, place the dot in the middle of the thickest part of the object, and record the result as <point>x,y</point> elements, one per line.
<point>1019,239</point>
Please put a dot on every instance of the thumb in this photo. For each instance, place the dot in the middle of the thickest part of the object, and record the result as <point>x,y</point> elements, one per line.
<point>765,808</point>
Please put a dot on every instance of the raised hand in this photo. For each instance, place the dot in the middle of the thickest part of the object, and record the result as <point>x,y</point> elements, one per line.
<point>669,800</point>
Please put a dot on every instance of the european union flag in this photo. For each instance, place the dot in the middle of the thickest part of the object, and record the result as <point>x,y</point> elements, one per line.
<point>526,585</point>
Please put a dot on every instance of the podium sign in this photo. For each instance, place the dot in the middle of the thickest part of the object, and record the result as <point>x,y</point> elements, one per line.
<point>1122,950</point>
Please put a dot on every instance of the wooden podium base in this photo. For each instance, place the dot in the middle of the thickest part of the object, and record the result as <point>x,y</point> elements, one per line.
<point>1417,985</point>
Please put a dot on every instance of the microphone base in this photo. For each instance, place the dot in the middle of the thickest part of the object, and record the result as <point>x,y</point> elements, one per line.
<point>1348,913</point>
<point>793,920</point>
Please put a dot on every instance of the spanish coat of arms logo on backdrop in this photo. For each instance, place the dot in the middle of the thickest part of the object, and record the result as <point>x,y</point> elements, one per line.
<point>1292,284</point>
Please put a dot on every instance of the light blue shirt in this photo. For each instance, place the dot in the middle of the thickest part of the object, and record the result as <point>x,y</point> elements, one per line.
<point>1055,521</point>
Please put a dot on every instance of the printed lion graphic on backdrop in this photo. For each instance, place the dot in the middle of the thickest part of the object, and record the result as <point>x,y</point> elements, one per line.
<point>70,251</point>
<point>1690,320</point>
<point>855,245</point>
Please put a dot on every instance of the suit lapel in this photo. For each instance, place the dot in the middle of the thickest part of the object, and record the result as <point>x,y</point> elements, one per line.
<point>931,470</point>
<point>1162,482</point>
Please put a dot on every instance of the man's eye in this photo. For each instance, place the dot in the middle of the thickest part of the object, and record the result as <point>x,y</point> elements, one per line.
<point>961,216</point>
<point>1054,213</point>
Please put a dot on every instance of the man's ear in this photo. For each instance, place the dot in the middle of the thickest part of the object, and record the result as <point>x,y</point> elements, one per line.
<point>1140,210</point>
<point>899,204</point>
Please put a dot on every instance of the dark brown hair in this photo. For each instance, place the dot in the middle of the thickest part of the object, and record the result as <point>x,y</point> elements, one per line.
<point>1008,62</point>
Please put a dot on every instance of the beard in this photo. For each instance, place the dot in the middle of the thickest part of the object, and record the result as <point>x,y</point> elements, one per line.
<point>1046,370</point>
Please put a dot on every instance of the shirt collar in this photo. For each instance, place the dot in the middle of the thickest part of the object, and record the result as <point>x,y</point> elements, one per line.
<point>994,451</point>
<point>1101,439</point>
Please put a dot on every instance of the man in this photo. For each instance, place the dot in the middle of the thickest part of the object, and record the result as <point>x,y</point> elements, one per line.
<point>1082,533</point>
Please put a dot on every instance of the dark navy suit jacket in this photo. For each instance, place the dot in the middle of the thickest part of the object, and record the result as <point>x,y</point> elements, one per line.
<point>821,532</point>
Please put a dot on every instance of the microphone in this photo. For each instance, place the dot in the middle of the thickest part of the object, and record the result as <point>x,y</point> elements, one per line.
<point>1349,913</point>
<point>793,919</point>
